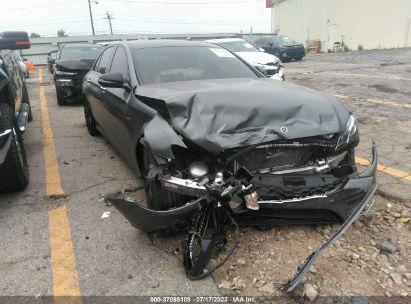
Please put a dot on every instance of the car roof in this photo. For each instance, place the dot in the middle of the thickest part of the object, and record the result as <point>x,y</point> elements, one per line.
<point>80,45</point>
<point>222,40</point>
<point>141,44</point>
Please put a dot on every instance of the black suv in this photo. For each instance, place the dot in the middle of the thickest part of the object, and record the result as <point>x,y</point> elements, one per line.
<point>15,111</point>
<point>72,63</point>
<point>281,46</point>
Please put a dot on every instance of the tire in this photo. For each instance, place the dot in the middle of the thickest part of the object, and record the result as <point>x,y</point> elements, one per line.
<point>158,198</point>
<point>90,120</point>
<point>299,59</point>
<point>61,100</point>
<point>27,100</point>
<point>14,173</point>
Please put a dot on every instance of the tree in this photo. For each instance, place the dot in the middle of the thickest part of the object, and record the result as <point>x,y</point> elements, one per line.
<point>61,33</point>
<point>35,35</point>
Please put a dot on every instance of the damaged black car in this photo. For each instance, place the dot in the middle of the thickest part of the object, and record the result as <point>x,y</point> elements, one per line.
<point>72,63</point>
<point>221,146</point>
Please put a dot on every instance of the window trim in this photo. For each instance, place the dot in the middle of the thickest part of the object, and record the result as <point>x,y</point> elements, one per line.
<point>98,61</point>
<point>127,63</point>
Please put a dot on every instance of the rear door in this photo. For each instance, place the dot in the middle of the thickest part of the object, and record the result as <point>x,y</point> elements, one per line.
<point>94,91</point>
<point>114,102</point>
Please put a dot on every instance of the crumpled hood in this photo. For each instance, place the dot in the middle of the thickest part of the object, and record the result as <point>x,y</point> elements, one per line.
<point>228,113</point>
<point>258,57</point>
<point>79,65</point>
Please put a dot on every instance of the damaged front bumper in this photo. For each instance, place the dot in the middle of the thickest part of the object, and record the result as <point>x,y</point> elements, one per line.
<point>69,87</point>
<point>348,202</point>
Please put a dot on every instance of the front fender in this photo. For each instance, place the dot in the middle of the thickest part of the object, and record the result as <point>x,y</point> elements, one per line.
<point>161,137</point>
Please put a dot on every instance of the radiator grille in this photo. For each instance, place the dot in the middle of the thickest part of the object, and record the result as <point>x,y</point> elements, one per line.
<point>281,156</point>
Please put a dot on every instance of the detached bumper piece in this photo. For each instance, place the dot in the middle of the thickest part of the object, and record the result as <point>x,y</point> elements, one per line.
<point>303,268</point>
<point>212,219</point>
<point>149,220</point>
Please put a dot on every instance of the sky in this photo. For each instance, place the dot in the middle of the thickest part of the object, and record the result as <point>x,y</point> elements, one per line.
<point>46,17</point>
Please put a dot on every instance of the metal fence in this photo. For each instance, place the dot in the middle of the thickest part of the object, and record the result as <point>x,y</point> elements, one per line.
<point>40,47</point>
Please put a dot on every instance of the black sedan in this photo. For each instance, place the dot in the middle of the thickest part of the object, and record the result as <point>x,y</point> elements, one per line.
<point>281,46</point>
<point>72,63</point>
<point>219,145</point>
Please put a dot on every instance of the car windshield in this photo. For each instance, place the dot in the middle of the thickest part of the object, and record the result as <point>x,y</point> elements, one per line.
<point>238,46</point>
<point>184,63</point>
<point>281,39</point>
<point>80,52</point>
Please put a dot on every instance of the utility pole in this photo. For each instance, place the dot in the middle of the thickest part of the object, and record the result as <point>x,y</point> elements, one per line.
<point>91,15</point>
<point>109,17</point>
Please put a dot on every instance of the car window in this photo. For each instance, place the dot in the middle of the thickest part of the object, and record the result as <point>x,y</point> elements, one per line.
<point>259,41</point>
<point>120,64</point>
<point>80,52</point>
<point>281,39</point>
<point>175,63</point>
<point>105,60</point>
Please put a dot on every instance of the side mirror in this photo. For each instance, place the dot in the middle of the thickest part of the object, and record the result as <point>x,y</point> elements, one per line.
<point>51,60</point>
<point>14,41</point>
<point>112,80</point>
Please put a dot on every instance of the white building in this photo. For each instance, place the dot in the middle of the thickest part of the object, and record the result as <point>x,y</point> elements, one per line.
<point>369,24</point>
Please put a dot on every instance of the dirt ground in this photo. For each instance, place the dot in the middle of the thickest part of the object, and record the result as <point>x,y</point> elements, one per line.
<point>112,258</point>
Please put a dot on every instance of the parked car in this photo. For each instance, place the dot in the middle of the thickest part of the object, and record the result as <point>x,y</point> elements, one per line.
<point>219,145</point>
<point>51,60</point>
<point>268,64</point>
<point>72,63</point>
<point>281,46</point>
<point>15,111</point>
<point>23,66</point>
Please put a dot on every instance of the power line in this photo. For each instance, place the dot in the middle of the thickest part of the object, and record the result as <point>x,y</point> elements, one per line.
<point>39,6</point>
<point>207,21</point>
<point>192,23</point>
<point>48,23</point>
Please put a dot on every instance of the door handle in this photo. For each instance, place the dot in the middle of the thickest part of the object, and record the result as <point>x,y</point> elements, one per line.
<point>103,89</point>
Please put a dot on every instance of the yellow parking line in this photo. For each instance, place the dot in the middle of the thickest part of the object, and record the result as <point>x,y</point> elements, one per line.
<point>340,96</point>
<point>53,183</point>
<point>63,264</point>
<point>378,101</point>
<point>66,287</point>
<point>385,169</point>
<point>348,74</point>
<point>370,76</point>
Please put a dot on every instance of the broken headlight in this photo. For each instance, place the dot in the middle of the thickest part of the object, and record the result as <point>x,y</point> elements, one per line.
<point>350,137</point>
<point>198,169</point>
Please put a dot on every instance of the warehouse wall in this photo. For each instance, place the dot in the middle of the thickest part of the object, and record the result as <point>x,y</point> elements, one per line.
<point>370,23</point>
